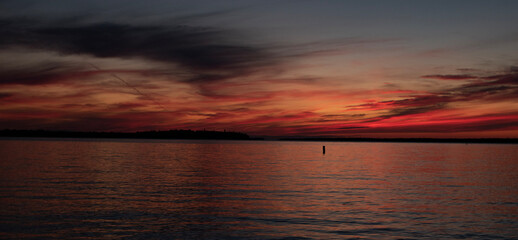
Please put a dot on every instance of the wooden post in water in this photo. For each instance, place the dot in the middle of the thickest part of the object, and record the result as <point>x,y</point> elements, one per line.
<point>323,149</point>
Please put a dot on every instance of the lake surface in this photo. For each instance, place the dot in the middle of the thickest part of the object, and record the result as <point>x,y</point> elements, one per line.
<point>179,189</point>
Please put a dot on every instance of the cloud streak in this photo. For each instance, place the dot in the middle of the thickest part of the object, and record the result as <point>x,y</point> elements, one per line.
<point>489,88</point>
<point>450,76</point>
<point>43,73</point>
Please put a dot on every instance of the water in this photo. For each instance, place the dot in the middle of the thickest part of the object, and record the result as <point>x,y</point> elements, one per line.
<point>146,189</point>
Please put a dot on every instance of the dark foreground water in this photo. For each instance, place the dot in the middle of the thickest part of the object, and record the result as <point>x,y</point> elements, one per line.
<point>138,189</point>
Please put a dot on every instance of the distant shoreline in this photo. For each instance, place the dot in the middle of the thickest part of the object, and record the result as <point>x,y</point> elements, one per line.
<point>410,140</point>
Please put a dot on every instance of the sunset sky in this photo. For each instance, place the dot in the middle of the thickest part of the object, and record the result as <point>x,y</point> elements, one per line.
<point>265,68</point>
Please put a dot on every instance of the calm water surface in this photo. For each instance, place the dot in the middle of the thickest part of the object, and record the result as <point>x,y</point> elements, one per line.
<point>145,189</point>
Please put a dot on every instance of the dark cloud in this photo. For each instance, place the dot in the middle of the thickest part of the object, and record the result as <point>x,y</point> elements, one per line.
<point>467,69</point>
<point>484,88</point>
<point>352,127</point>
<point>496,87</point>
<point>5,95</point>
<point>414,110</point>
<point>450,76</point>
<point>489,88</point>
<point>43,73</point>
<point>209,54</point>
<point>60,72</point>
<point>423,100</point>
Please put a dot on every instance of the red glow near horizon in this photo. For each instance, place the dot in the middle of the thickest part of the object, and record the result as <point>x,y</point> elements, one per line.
<point>306,111</point>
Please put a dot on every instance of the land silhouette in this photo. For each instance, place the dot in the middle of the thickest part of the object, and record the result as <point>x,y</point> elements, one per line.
<point>419,140</point>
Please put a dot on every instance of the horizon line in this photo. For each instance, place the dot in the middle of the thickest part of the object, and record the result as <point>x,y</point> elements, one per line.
<point>226,135</point>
